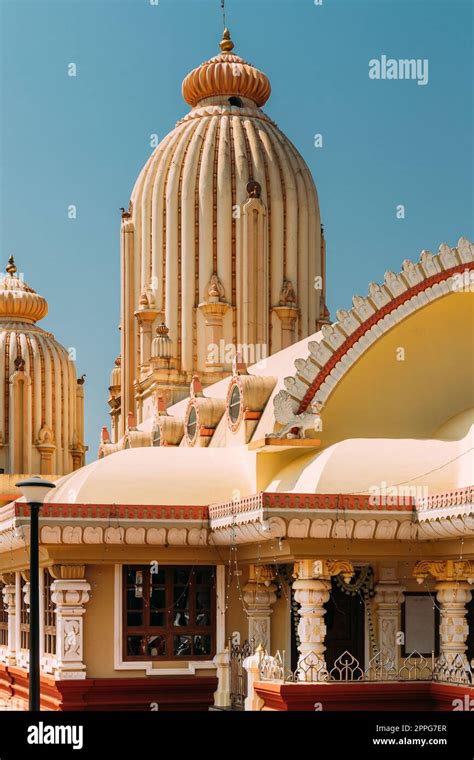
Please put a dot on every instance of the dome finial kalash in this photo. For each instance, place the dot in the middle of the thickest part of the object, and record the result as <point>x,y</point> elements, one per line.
<point>226,44</point>
<point>226,75</point>
<point>11,266</point>
<point>17,300</point>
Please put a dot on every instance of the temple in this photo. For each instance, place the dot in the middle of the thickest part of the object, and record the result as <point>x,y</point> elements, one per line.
<point>272,530</point>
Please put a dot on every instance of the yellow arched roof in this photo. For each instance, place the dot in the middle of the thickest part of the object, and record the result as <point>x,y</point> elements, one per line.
<point>356,465</point>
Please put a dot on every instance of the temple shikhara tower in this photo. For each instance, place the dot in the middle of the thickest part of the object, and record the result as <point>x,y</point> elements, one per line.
<point>282,514</point>
<point>41,401</point>
<point>221,246</point>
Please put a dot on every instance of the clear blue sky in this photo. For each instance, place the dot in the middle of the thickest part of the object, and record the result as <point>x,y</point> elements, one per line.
<point>83,140</point>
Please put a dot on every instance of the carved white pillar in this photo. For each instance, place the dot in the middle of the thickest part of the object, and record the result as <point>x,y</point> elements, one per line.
<point>10,603</point>
<point>259,595</point>
<point>70,592</point>
<point>222,663</point>
<point>214,316</point>
<point>453,592</point>
<point>252,665</point>
<point>453,629</point>
<point>388,598</point>
<point>312,591</point>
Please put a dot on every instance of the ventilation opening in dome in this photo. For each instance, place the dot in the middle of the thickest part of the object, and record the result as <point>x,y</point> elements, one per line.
<point>236,102</point>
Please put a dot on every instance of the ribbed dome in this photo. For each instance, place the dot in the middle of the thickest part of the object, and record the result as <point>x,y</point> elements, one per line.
<point>221,241</point>
<point>41,403</point>
<point>18,300</point>
<point>186,211</point>
<point>226,74</point>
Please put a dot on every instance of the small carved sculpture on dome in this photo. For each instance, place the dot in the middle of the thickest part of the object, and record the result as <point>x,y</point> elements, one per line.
<point>287,294</point>
<point>239,367</point>
<point>161,399</point>
<point>131,422</point>
<point>45,436</point>
<point>19,364</point>
<point>254,189</point>
<point>215,290</point>
<point>286,413</point>
<point>195,387</point>
<point>147,299</point>
<point>81,380</point>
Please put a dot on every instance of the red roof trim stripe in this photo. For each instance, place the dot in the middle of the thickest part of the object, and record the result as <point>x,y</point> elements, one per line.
<point>370,322</point>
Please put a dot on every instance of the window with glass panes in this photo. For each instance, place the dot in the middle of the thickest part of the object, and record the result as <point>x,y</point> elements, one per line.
<point>168,612</point>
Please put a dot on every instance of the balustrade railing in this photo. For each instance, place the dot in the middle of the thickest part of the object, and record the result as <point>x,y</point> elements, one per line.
<point>381,667</point>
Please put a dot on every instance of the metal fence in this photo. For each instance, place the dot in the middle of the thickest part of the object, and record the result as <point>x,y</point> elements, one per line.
<point>238,674</point>
<point>381,667</point>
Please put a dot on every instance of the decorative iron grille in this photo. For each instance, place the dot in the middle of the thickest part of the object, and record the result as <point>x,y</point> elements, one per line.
<point>238,675</point>
<point>312,668</point>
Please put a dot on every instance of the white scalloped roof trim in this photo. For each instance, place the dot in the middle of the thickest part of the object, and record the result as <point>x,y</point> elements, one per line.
<point>379,296</point>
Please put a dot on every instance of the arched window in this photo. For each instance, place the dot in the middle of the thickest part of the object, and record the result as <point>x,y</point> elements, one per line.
<point>156,436</point>
<point>235,403</point>
<point>191,424</point>
<point>233,101</point>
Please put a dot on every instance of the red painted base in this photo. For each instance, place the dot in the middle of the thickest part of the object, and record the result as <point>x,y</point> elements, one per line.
<point>91,694</point>
<point>412,696</point>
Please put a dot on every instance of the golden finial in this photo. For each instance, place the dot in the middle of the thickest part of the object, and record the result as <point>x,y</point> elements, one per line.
<point>11,266</point>
<point>226,44</point>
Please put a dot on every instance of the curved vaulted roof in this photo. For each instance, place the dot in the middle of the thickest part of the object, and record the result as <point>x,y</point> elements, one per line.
<point>159,476</point>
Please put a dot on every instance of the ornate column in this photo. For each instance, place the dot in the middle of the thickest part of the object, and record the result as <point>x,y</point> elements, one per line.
<point>388,598</point>
<point>213,309</point>
<point>259,595</point>
<point>70,592</point>
<point>287,311</point>
<point>312,590</point>
<point>46,446</point>
<point>9,601</point>
<point>146,315</point>
<point>288,316</point>
<point>454,578</point>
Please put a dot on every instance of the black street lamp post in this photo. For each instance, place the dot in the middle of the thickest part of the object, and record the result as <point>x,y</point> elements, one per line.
<point>34,490</point>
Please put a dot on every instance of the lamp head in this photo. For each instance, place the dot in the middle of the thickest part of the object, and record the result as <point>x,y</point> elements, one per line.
<point>34,489</point>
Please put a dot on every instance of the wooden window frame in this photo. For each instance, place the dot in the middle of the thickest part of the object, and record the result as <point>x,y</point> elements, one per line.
<point>169,630</point>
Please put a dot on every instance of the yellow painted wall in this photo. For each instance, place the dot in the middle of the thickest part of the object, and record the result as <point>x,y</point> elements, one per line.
<point>386,398</point>
<point>99,630</point>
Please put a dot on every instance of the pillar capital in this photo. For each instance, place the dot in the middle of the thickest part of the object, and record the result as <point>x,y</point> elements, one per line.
<point>323,569</point>
<point>445,570</point>
<point>67,572</point>
<point>453,592</point>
